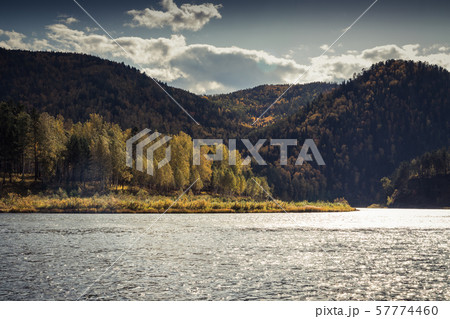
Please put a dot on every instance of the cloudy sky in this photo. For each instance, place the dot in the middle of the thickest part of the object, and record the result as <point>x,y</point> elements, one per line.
<point>216,46</point>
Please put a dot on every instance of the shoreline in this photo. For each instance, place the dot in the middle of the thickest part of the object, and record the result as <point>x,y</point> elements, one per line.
<point>316,210</point>
<point>135,204</point>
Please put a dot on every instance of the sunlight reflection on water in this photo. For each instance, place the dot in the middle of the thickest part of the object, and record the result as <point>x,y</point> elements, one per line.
<point>381,254</point>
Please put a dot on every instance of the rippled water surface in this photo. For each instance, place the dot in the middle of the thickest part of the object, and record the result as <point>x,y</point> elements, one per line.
<point>372,254</point>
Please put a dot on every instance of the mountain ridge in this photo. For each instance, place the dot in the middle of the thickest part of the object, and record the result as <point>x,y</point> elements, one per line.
<point>124,95</point>
<point>364,127</point>
<point>392,112</point>
<point>249,104</point>
<point>75,85</point>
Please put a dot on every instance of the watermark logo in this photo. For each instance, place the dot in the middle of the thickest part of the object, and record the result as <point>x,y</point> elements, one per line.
<point>150,150</point>
<point>284,143</point>
<point>146,147</point>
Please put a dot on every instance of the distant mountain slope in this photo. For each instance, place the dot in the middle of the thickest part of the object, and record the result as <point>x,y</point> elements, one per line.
<point>421,182</point>
<point>247,105</point>
<point>364,128</point>
<point>75,85</point>
<point>393,112</point>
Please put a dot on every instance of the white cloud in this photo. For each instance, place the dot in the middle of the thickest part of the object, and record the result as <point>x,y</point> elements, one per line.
<point>200,68</point>
<point>340,67</point>
<point>69,39</point>
<point>204,68</point>
<point>186,17</point>
<point>289,54</point>
<point>231,67</point>
<point>326,47</point>
<point>16,41</point>
<point>66,19</point>
<point>69,20</point>
<point>89,29</point>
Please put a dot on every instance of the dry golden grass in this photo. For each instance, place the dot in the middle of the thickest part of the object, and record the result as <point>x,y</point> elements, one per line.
<point>158,204</point>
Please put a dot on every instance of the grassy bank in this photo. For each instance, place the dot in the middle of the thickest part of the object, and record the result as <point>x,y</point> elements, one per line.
<point>124,203</point>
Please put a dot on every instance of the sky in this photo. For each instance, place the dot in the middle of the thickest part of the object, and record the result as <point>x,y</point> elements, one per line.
<point>219,46</point>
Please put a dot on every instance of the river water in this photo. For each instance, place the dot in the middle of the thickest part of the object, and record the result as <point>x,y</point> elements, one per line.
<point>371,254</point>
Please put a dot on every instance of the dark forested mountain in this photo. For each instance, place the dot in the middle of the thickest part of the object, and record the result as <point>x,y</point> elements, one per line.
<point>421,182</point>
<point>76,85</point>
<point>364,128</point>
<point>393,112</point>
<point>247,105</point>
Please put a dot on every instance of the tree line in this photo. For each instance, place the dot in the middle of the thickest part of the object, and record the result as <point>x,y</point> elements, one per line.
<point>57,152</point>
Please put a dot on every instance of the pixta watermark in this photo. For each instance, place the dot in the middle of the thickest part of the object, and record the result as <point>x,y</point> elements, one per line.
<point>148,142</point>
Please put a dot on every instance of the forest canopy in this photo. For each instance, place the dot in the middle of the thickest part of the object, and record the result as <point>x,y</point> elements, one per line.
<point>59,153</point>
<point>364,127</point>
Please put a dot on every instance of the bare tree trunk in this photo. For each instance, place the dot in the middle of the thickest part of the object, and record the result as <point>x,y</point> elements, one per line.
<point>23,166</point>
<point>36,169</point>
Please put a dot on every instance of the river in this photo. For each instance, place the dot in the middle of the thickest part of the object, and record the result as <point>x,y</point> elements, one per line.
<point>371,254</point>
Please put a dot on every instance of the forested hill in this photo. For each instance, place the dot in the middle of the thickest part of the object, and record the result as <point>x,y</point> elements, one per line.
<point>421,182</point>
<point>76,85</point>
<point>364,129</point>
<point>245,106</point>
